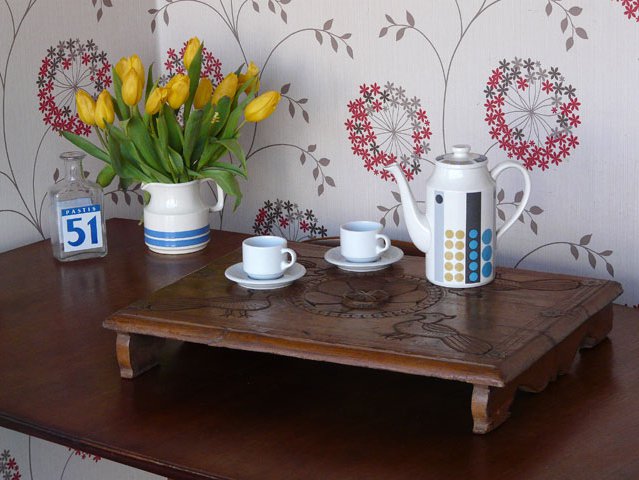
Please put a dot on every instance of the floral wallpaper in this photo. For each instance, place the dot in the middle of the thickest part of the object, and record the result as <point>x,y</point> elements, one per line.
<point>547,83</point>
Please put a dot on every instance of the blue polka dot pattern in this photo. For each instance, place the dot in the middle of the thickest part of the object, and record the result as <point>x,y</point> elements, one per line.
<point>486,253</point>
<point>487,236</point>
<point>473,244</point>
<point>473,255</point>
<point>473,266</point>
<point>473,277</point>
<point>473,233</point>
<point>487,269</point>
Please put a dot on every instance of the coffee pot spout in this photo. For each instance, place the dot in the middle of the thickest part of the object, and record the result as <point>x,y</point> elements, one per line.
<point>416,221</point>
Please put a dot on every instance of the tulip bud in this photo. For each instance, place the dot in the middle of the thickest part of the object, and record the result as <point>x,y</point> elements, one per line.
<point>203,93</point>
<point>156,99</point>
<point>178,88</point>
<point>226,88</point>
<point>131,88</point>
<point>131,63</point>
<point>85,105</point>
<point>251,72</point>
<point>191,49</point>
<point>122,67</point>
<point>262,107</point>
<point>104,112</point>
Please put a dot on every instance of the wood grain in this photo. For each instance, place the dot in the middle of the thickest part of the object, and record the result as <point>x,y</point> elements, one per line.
<point>211,413</point>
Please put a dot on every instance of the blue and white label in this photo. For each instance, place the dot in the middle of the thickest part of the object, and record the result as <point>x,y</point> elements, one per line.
<point>80,226</point>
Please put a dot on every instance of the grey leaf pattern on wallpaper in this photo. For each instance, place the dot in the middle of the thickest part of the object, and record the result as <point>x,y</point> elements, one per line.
<point>230,15</point>
<point>569,15</point>
<point>100,5</point>
<point>528,214</point>
<point>294,104</point>
<point>576,249</point>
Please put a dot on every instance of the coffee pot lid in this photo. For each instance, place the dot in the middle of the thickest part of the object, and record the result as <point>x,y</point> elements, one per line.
<point>461,155</point>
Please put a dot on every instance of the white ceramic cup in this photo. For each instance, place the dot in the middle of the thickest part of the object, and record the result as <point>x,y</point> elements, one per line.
<point>263,257</point>
<point>360,241</point>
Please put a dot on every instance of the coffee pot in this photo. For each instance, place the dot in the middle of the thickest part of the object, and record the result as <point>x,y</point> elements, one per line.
<point>458,232</point>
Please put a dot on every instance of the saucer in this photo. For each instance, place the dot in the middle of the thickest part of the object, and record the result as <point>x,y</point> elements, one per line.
<point>236,274</point>
<point>390,256</point>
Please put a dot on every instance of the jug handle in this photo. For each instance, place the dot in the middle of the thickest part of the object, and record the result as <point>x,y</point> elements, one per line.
<point>495,172</point>
<point>220,196</point>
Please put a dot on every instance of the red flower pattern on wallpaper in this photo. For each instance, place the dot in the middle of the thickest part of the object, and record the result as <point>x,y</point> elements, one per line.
<point>385,127</point>
<point>631,9</point>
<point>286,219</point>
<point>211,65</point>
<point>532,112</point>
<point>9,469</point>
<point>66,68</point>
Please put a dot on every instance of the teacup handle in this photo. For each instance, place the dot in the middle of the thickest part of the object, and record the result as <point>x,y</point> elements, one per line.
<point>495,172</point>
<point>289,264</point>
<point>220,196</point>
<point>387,243</point>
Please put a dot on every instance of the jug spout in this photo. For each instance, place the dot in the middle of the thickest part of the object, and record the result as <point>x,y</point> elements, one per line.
<point>416,221</point>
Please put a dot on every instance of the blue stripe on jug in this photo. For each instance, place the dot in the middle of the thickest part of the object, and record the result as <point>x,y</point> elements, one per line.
<point>177,243</point>
<point>182,234</point>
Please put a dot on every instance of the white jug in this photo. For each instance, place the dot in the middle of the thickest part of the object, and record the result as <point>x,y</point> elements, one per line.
<point>176,220</point>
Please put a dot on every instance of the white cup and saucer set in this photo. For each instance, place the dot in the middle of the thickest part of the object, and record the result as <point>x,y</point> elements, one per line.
<point>265,265</point>
<point>363,248</point>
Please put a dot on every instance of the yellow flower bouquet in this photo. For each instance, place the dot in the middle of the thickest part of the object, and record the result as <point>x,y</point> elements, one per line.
<point>159,146</point>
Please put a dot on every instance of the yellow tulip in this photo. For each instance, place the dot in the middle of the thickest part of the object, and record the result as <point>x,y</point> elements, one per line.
<point>191,49</point>
<point>203,93</point>
<point>226,88</point>
<point>85,105</point>
<point>104,112</point>
<point>132,87</point>
<point>178,88</point>
<point>261,107</point>
<point>126,64</point>
<point>157,98</point>
<point>123,66</point>
<point>251,72</point>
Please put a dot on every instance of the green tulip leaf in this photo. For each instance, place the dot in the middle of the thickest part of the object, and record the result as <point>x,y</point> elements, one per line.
<point>106,176</point>
<point>191,133</point>
<point>178,164</point>
<point>194,72</point>
<point>212,152</point>
<point>228,167</point>
<point>234,117</point>
<point>117,88</point>
<point>149,83</point>
<point>176,140</point>
<point>139,135</point>
<point>223,108</point>
<point>234,147</point>
<point>83,144</point>
<point>226,180</point>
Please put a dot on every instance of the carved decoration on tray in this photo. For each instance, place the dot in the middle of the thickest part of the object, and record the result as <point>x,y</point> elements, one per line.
<point>430,325</point>
<point>230,306</point>
<point>501,284</point>
<point>375,295</point>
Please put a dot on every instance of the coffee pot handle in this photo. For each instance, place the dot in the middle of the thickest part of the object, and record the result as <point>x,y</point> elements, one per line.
<point>220,196</point>
<point>495,172</point>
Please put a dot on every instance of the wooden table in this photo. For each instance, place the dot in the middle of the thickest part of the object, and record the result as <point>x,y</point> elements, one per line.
<point>218,413</point>
<point>519,332</point>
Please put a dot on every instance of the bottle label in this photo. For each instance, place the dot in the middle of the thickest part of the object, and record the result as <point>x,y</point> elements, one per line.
<point>80,226</point>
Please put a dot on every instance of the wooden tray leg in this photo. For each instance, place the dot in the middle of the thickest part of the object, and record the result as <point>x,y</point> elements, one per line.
<point>490,406</point>
<point>137,353</point>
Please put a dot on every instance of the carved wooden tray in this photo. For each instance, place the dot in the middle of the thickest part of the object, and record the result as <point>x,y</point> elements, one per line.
<point>520,331</point>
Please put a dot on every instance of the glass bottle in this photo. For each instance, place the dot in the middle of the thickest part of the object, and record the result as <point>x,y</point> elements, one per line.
<point>78,226</point>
